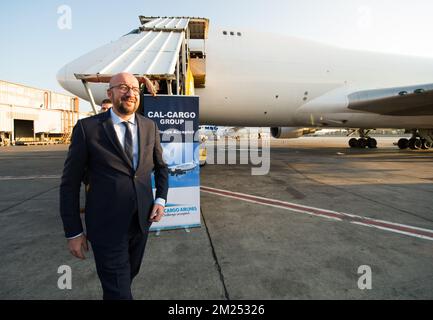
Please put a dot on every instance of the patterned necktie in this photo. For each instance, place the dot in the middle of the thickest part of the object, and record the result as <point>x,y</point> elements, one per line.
<point>128,141</point>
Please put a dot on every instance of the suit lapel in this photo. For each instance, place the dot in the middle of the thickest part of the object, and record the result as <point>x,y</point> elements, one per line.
<point>108,126</point>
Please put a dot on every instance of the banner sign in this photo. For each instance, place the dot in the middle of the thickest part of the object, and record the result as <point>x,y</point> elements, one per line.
<point>177,118</point>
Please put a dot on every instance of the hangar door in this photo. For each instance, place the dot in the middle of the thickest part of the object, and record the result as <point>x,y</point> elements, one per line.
<point>23,129</point>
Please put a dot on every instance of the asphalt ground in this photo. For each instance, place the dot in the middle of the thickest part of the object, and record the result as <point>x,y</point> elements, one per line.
<point>258,238</point>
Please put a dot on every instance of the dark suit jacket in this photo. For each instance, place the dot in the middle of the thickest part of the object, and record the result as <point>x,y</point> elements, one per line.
<point>116,190</point>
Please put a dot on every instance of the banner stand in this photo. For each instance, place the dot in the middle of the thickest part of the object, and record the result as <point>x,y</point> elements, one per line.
<point>177,118</point>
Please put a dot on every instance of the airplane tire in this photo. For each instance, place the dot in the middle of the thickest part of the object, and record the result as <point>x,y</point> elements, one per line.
<point>425,145</point>
<point>414,143</point>
<point>362,143</point>
<point>411,144</point>
<point>371,143</point>
<point>403,143</point>
<point>353,143</point>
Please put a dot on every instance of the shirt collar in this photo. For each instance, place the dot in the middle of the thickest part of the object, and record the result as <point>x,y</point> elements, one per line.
<point>117,120</point>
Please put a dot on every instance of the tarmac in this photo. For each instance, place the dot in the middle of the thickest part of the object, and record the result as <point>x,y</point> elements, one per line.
<point>302,231</point>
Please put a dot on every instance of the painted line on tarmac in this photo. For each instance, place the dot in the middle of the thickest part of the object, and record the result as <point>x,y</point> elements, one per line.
<point>408,230</point>
<point>8,178</point>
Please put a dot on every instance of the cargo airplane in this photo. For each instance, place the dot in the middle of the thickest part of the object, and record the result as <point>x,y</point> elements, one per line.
<point>296,86</point>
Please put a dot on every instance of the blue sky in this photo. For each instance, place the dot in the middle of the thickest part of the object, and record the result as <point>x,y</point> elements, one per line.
<point>34,48</point>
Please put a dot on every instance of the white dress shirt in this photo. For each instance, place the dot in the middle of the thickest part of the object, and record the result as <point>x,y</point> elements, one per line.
<point>120,132</point>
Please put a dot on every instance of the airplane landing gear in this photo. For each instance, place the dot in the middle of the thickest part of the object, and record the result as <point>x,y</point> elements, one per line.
<point>403,143</point>
<point>371,143</point>
<point>425,144</point>
<point>416,142</point>
<point>353,143</point>
<point>364,141</point>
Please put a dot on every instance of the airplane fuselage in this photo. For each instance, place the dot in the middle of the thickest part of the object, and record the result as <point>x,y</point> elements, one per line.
<point>261,79</point>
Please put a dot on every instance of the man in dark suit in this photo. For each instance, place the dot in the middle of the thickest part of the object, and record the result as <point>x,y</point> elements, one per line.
<point>118,150</point>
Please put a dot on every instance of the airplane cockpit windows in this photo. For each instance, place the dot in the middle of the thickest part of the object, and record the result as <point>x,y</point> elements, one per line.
<point>232,33</point>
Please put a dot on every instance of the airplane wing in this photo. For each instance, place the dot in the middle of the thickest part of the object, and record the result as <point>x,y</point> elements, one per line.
<point>399,101</point>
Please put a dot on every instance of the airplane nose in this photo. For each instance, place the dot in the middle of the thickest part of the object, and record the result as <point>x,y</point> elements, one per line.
<point>62,77</point>
<point>67,80</point>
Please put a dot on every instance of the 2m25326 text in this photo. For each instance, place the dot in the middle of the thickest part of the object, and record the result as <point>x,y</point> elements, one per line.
<point>244,309</point>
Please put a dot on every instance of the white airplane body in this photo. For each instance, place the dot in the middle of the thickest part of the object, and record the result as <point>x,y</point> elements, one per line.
<point>266,80</point>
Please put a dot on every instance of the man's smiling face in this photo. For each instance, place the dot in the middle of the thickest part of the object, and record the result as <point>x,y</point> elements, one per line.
<point>124,92</point>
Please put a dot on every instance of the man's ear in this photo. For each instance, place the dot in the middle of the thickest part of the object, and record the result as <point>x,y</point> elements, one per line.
<point>109,94</point>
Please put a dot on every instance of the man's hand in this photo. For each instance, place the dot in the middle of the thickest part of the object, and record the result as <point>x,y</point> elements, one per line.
<point>151,88</point>
<point>77,246</point>
<point>157,213</point>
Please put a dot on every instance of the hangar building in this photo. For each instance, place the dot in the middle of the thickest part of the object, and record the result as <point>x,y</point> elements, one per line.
<point>30,115</point>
